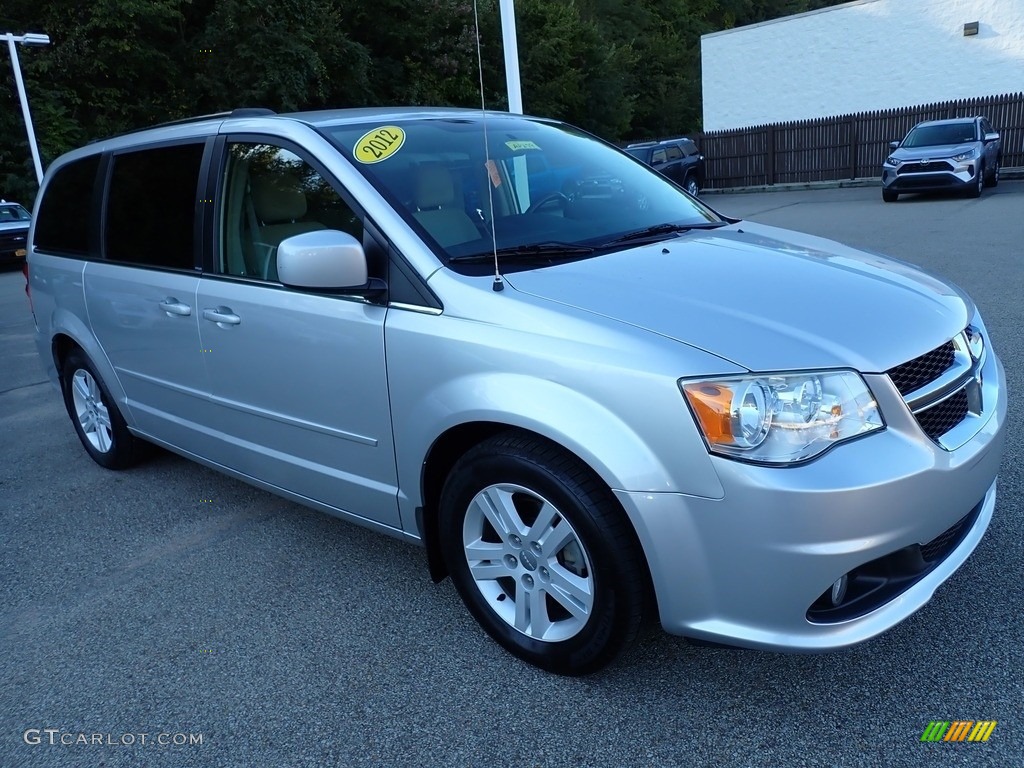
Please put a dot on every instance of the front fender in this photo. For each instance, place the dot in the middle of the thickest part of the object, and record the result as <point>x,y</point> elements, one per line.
<point>612,447</point>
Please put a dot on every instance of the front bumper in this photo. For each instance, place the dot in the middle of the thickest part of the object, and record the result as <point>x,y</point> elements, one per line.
<point>746,569</point>
<point>945,177</point>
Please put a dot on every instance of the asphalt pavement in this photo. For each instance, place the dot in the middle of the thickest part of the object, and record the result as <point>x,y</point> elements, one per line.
<point>144,612</point>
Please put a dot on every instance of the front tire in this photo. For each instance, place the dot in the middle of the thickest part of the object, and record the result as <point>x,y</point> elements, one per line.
<point>96,419</point>
<point>889,195</point>
<point>979,183</point>
<point>994,180</point>
<point>542,554</point>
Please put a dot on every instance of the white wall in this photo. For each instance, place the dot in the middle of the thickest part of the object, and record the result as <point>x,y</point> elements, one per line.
<point>861,56</point>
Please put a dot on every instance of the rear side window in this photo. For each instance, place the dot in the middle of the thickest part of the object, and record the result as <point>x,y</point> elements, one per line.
<point>689,148</point>
<point>672,152</point>
<point>151,207</point>
<point>63,222</point>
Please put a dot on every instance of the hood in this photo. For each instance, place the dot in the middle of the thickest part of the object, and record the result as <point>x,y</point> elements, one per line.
<point>764,298</point>
<point>937,152</point>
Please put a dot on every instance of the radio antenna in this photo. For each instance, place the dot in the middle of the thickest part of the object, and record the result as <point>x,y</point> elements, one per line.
<point>499,284</point>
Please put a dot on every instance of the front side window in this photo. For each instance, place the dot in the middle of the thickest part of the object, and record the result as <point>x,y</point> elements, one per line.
<point>672,152</point>
<point>151,206</point>
<point>269,194</point>
<point>63,223</point>
<point>538,183</point>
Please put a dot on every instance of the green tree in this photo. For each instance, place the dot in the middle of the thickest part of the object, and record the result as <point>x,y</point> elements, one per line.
<point>286,55</point>
<point>620,69</point>
<point>570,71</point>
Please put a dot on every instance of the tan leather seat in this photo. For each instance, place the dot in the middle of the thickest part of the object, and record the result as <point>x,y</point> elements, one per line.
<point>437,208</point>
<point>279,204</point>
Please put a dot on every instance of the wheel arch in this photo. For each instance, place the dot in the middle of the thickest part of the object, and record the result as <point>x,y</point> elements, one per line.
<point>70,333</point>
<point>441,459</point>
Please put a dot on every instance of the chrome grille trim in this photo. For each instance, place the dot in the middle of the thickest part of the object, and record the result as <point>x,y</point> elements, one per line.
<point>963,376</point>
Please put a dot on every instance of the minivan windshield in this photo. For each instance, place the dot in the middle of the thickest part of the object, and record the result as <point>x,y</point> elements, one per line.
<point>547,191</point>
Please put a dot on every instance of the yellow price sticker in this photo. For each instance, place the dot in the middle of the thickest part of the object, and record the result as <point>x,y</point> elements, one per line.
<point>517,146</point>
<point>379,144</point>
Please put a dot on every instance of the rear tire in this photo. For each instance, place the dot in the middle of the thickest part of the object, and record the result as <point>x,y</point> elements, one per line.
<point>542,554</point>
<point>692,186</point>
<point>889,195</point>
<point>96,419</point>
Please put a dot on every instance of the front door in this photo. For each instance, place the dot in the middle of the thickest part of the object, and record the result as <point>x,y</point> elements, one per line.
<point>298,379</point>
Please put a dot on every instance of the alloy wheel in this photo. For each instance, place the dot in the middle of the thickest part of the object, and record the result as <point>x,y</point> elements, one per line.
<point>91,412</point>
<point>528,563</point>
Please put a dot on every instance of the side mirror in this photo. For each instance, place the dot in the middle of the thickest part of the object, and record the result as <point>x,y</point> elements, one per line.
<point>326,260</point>
<point>894,145</point>
<point>989,137</point>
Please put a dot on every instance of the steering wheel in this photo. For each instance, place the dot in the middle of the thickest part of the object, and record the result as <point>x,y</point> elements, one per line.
<point>547,199</point>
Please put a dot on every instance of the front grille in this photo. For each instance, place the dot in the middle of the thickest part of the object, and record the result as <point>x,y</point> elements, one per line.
<point>946,542</point>
<point>939,419</point>
<point>935,166</point>
<point>922,370</point>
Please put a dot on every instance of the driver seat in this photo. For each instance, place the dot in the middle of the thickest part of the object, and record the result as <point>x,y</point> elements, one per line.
<point>437,208</point>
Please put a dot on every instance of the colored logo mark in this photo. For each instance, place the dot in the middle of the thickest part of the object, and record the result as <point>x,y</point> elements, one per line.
<point>958,730</point>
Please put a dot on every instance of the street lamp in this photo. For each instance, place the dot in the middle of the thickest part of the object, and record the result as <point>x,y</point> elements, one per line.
<point>32,38</point>
<point>511,48</point>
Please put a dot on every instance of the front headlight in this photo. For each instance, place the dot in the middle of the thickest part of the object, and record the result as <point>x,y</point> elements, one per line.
<point>781,418</point>
<point>970,154</point>
<point>893,161</point>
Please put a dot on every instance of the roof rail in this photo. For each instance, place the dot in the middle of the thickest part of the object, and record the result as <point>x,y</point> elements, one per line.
<point>251,112</point>
<point>237,112</point>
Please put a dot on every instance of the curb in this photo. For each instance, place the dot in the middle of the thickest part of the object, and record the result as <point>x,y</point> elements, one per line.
<point>1005,174</point>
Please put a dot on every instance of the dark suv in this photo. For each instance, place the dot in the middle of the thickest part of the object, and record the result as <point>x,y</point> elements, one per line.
<point>957,154</point>
<point>679,159</point>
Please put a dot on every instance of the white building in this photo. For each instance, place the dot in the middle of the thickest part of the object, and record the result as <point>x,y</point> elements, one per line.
<point>862,56</point>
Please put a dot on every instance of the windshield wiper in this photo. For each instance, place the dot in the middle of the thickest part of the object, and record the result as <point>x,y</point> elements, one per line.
<point>537,251</point>
<point>662,231</point>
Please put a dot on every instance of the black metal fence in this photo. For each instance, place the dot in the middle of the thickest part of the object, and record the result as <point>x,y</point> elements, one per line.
<point>843,147</point>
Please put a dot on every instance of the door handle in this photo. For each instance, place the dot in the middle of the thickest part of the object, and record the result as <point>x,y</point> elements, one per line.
<point>173,307</point>
<point>221,316</point>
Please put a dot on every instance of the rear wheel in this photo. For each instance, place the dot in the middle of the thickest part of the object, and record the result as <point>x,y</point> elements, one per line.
<point>692,186</point>
<point>99,424</point>
<point>889,195</point>
<point>542,554</point>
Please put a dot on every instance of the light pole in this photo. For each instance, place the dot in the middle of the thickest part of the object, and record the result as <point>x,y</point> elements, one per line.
<point>32,38</point>
<point>511,47</point>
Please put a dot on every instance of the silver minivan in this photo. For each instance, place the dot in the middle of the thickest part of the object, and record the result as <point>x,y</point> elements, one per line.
<point>585,393</point>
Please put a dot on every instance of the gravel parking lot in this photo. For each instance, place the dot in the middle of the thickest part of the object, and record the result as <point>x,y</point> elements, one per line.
<point>173,603</point>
